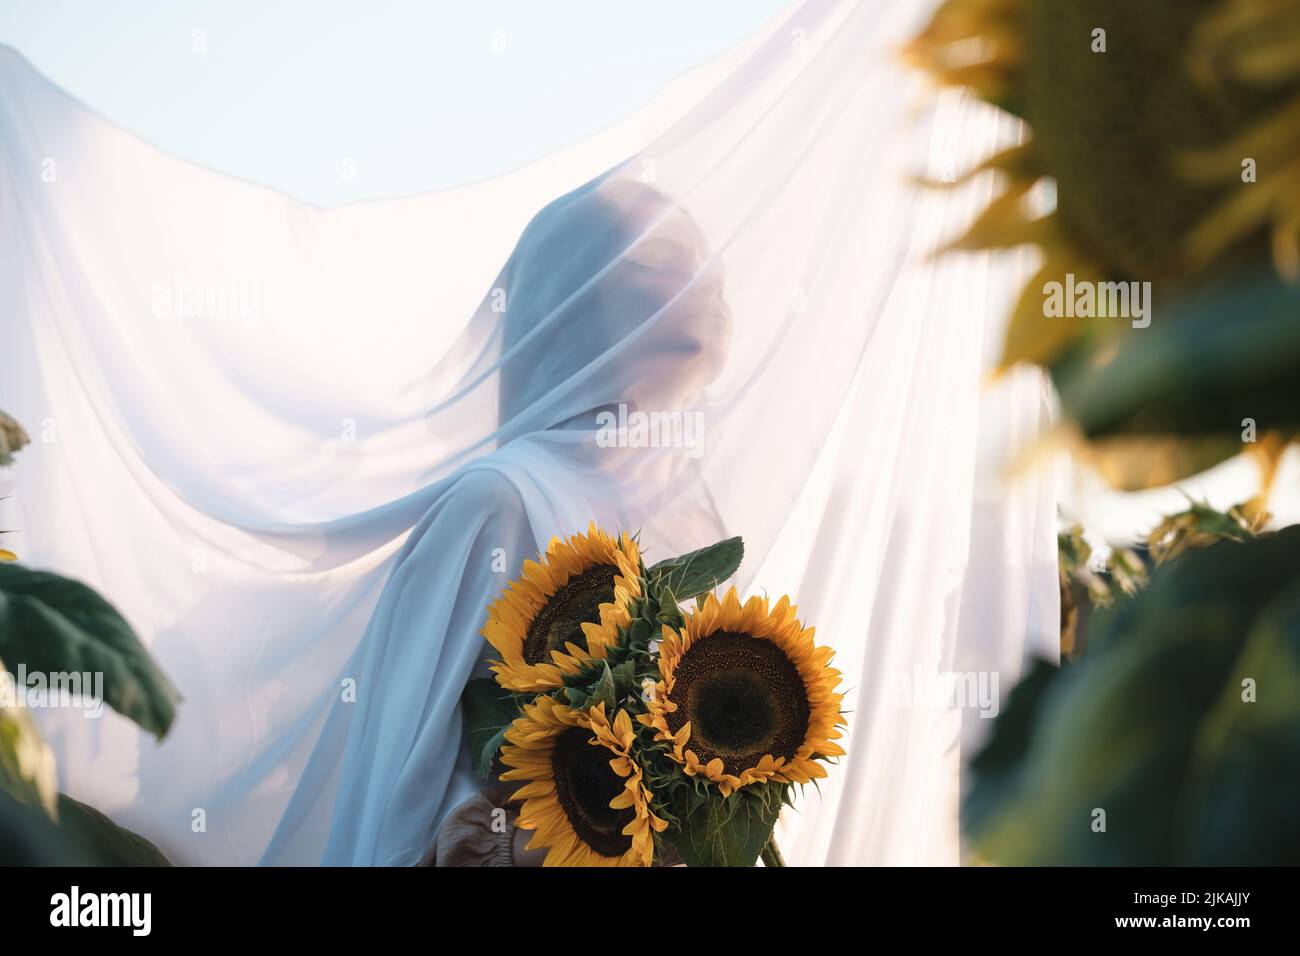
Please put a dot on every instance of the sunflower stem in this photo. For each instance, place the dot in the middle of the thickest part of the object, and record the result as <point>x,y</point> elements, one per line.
<point>771,855</point>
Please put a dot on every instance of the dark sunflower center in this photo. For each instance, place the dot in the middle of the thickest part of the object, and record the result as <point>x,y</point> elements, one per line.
<point>561,620</point>
<point>1121,204</point>
<point>743,697</point>
<point>584,785</point>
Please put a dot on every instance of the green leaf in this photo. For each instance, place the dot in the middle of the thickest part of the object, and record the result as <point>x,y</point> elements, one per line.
<point>728,831</point>
<point>698,572</point>
<point>56,625</point>
<point>625,682</point>
<point>82,837</point>
<point>640,633</point>
<point>1181,724</point>
<point>91,830</point>
<point>998,766</point>
<point>30,838</point>
<point>577,697</point>
<point>1210,359</point>
<point>486,761</point>
<point>488,711</point>
<point>604,691</point>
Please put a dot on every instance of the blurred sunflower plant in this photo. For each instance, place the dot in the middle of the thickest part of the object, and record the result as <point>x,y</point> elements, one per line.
<point>50,624</point>
<point>639,733</point>
<point>1169,132</point>
<point>1087,583</point>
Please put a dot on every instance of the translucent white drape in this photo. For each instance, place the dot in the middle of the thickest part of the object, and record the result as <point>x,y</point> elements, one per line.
<point>295,445</point>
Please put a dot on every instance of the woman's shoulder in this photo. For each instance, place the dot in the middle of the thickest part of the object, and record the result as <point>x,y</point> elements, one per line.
<point>486,490</point>
<point>480,504</point>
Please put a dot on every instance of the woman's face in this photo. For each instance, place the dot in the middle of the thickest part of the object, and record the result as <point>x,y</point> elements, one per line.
<point>683,345</point>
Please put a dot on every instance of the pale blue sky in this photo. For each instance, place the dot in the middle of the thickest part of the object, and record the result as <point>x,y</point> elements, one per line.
<point>412,92</point>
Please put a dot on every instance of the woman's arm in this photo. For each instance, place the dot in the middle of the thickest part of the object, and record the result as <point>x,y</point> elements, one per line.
<point>404,767</point>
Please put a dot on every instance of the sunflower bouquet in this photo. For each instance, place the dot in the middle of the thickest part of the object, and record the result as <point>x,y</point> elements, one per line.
<point>637,733</point>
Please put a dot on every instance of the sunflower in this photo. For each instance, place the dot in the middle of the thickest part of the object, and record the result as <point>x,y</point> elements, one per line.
<point>565,611</point>
<point>745,696</point>
<point>618,737</point>
<point>1141,117</point>
<point>1253,45</point>
<point>1108,126</point>
<point>584,793</point>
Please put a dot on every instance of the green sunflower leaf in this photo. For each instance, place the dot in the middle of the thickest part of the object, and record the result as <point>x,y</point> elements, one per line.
<point>727,831</point>
<point>1175,741</point>
<point>28,837</point>
<point>625,682</point>
<point>1226,353</point>
<point>488,711</point>
<point>56,625</point>
<point>577,697</point>
<point>95,832</point>
<point>698,572</point>
<point>640,633</point>
<point>81,837</point>
<point>604,690</point>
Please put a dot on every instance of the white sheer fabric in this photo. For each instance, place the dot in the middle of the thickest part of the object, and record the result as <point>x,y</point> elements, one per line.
<point>301,448</point>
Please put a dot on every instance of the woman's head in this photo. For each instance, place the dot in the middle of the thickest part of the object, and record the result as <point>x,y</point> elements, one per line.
<point>611,298</point>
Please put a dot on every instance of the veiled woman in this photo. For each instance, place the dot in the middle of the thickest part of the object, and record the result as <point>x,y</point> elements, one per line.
<point>609,299</point>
